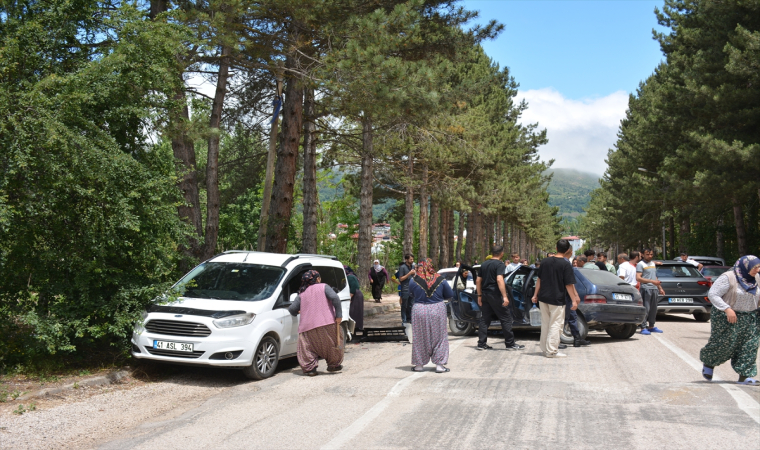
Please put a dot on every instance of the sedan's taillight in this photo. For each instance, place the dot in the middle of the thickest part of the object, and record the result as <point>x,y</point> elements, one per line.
<point>707,283</point>
<point>594,298</point>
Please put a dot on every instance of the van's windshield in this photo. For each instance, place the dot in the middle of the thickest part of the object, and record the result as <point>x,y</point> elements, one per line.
<point>230,281</point>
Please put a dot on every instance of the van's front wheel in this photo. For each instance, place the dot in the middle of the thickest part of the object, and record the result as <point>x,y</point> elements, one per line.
<point>264,360</point>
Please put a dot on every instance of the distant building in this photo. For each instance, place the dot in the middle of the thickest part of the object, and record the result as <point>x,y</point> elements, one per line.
<point>575,242</point>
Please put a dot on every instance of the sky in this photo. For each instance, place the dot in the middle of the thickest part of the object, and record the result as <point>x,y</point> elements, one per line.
<point>576,63</point>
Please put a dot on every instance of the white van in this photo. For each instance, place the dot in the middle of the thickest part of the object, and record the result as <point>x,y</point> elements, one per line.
<point>232,311</point>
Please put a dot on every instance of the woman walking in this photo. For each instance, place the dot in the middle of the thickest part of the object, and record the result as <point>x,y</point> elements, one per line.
<point>429,318</point>
<point>377,276</point>
<point>319,334</point>
<point>356,308</point>
<point>734,330</point>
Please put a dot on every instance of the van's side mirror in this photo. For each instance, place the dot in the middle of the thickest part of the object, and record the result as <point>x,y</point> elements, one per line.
<point>292,297</point>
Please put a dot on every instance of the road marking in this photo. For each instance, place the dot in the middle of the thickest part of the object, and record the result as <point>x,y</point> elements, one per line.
<point>745,402</point>
<point>358,426</point>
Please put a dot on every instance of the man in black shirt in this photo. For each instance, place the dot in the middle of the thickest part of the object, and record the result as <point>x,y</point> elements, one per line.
<point>555,278</point>
<point>492,299</point>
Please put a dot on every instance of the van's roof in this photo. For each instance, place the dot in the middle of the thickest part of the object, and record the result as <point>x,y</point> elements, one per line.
<point>270,259</point>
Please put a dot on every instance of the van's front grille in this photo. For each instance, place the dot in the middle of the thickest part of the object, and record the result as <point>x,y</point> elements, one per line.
<point>177,328</point>
<point>174,354</point>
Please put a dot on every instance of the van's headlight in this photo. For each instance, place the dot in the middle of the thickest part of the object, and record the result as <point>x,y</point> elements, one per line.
<point>237,320</point>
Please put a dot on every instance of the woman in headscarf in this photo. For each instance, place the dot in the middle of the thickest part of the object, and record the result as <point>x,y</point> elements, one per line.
<point>377,277</point>
<point>319,334</point>
<point>734,319</point>
<point>429,318</point>
<point>356,309</point>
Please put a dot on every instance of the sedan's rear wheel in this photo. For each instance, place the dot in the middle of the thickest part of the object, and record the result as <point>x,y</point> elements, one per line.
<point>264,360</point>
<point>460,328</point>
<point>567,337</point>
<point>702,317</point>
<point>621,330</point>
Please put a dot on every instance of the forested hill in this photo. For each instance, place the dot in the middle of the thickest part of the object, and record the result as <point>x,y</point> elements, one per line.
<point>570,189</point>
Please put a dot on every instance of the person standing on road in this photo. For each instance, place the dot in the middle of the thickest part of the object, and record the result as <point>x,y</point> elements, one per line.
<point>356,307</point>
<point>492,300</point>
<point>377,277</point>
<point>601,258</point>
<point>405,273</point>
<point>734,321</point>
<point>514,265</point>
<point>431,339</point>
<point>685,258</point>
<point>555,279</point>
<point>646,274</point>
<point>627,268</point>
<point>591,261</point>
<point>571,317</point>
<point>319,307</point>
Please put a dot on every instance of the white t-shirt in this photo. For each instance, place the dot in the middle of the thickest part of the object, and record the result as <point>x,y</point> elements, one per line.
<point>692,262</point>
<point>628,272</point>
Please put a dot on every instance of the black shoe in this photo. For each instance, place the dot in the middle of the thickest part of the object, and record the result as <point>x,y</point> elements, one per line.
<point>337,368</point>
<point>311,373</point>
<point>484,347</point>
<point>581,342</point>
<point>516,346</point>
<point>562,346</point>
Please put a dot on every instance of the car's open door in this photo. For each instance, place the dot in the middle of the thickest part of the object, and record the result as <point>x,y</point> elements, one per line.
<point>520,286</point>
<point>464,305</point>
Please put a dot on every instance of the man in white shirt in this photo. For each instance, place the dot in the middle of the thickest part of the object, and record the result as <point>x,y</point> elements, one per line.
<point>685,258</point>
<point>627,269</point>
<point>514,265</point>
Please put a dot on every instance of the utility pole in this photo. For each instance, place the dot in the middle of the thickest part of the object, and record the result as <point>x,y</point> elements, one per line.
<point>270,163</point>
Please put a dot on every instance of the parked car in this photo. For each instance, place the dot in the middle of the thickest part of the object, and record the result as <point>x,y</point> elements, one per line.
<point>450,273</point>
<point>232,311</point>
<point>706,260</point>
<point>685,290</point>
<point>711,273</point>
<point>607,303</point>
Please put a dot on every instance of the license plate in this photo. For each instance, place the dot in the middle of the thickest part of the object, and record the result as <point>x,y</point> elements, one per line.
<point>628,297</point>
<point>681,300</point>
<point>175,346</point>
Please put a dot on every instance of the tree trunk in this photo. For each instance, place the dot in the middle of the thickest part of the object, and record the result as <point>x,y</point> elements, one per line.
<point>424,215</point>
<point>460,237</point>
<point>515,239</point>
<point>450,261</point>
<point>409,210</point>
<point>266,200</point>
<point>489,234</point>
<point>741,234</point>
<point>212,163</point>
<point>443,262</point>
<point>309,242</point>
<point>720,242</point>
<point>468,239</point>
<point>435,230</point>
<point>281,208</point>
<point>476,230</point>
<point>684,236</point>
<point>505,236</point>
<point>365,203</point>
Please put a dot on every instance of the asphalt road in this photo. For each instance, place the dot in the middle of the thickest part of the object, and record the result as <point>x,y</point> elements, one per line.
<point>644,392</point>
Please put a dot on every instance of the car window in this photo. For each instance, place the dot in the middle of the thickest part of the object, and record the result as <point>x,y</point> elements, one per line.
<point>517,284</point>
<point>601,277</point>
<point>448,275</point>
<point>678,272</point>
<point>334,277</point>
<point>230,281</point>
<point>714,271</point>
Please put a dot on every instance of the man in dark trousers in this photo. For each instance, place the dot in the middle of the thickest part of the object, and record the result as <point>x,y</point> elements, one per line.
<point>571,317</point>
<point>492,299</point>
<point>405,273</point>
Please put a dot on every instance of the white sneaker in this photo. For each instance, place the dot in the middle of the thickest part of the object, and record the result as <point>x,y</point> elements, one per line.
<point>557,355</point>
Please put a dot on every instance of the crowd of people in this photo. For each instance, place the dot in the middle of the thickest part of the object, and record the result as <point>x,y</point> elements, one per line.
<point>735,317</point>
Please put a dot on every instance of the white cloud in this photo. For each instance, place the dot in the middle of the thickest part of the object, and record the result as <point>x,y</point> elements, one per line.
<point>580,131</point>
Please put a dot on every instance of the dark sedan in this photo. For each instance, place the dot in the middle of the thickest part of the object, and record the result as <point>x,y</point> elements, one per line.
<point>607,303</point>
<point>685,290</point>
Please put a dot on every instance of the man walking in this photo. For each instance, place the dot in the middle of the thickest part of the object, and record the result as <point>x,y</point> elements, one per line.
<point>601,258</point>
<point>627,268</point>
<point>492,299</point>
<point>405,273</point>
<point>555,278</point>
<point>646,274</point>
<point>377,277</point>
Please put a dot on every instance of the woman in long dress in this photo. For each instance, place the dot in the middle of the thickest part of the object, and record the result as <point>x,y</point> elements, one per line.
<point>734,333</point>
<point>377,277</point>
<point>319,334</point>
<point>356,308</point>
<point>431,342</point>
